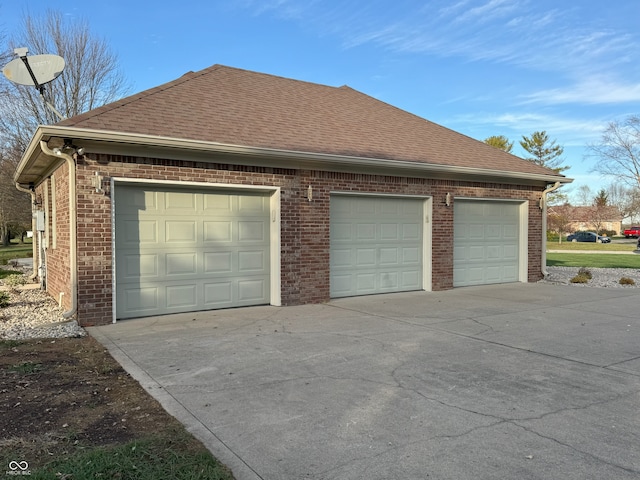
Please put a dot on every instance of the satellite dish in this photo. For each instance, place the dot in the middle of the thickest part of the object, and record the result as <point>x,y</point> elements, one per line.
<point>35,71</point>
<point>45,69</point>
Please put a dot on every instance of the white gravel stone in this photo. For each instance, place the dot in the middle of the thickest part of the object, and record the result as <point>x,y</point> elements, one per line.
<point>602,277</point>
<point>32,313</point>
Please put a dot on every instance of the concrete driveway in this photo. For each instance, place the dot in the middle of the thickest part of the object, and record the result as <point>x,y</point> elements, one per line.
<point>518,381</point>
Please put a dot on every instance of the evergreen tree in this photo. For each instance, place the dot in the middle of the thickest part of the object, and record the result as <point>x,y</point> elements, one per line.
<point>544,152</point>
<point>499,141</point>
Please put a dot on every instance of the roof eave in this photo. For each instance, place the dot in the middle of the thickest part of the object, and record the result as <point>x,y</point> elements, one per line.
<point>123,143</point>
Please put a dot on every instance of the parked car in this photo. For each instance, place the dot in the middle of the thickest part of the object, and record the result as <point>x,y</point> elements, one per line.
<point>632,232</point>
<point>587,237</point>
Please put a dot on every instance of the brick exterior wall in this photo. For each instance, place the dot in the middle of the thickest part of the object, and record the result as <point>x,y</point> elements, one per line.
<point>304,224</point>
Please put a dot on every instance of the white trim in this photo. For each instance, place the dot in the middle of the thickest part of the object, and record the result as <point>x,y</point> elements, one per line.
<point>377,194</point>
<point>524,242</point>
<point>501,200</point>
<point>427,245</point>
<point>113,251</point>
<point>105,141</point>
<point>275,225</point>
<point>180,183</point>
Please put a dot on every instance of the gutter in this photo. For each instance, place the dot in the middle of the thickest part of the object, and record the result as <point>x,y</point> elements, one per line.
<point>543,207</point>
<point>107,141</point>
<point>34,254</point>
<point>73,248</point>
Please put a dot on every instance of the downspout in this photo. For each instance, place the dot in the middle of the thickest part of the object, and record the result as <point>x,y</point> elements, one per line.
<point>34,254</point>
<point>543,207</point>
<point>73,249</point>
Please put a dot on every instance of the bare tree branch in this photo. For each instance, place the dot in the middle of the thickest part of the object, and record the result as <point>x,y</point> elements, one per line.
<point>618,153</point>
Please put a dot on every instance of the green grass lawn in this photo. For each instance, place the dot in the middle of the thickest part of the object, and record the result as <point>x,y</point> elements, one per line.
<point>592,260</point>
<point>16,250</point>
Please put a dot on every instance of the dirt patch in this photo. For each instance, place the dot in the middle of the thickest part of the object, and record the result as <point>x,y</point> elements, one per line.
<point>57,396</point>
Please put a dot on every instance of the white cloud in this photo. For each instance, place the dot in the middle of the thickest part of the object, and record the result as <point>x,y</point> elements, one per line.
<point>595,90</point>
<point>490,11</point>
<point>570,132</point>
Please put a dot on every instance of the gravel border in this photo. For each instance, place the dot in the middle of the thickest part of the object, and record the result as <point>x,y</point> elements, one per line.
<point>32,313</point>
<point>601,277</point>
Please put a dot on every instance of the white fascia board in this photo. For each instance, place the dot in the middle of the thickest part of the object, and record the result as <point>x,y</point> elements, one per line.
<point>123,143</point>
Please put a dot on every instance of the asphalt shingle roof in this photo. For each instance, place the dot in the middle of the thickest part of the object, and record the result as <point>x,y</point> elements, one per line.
<point>240,107</point>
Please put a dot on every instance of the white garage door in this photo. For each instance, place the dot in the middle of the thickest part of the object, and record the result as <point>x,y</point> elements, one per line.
<point>185,250</point>
<point>376,245</point>
<point>486,242</point>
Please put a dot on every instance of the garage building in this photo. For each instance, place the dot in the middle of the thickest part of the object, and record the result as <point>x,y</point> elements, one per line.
<point>230,188</point>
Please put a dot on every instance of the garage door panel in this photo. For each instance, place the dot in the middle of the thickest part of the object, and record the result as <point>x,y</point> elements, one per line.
<point>475,253</point>
<point>365,283</point>
<point>385,254</point>
<point>510,232</point>
<point>180,264</point>
<point>365,257</point>
<point>411,279</point>
<point>476,232</point>
<point>364,206</point>
<point>251,290</point>
<point>180,231</point>
<point>218,232</point>
<point>252,261</point>
<point>141,299</point>
<point>218,294</point>
<point>493,232</point>
<point>342,258</point>
<point>411,256</point>
<point>365,231</point>
<point>486,242</point>
<point>136,265</point>
<point>179,203</point>
<point>493,274</point>
<point>208,254</point>
<point>390,231</point>
<point>342,284</point>
<point>252,231</point>
<point>510,273</point>
<point>218,262</point>
<point>216,204</point>
<point>510,252</point>
<point>411,231</point>
<point>342,232</point>
<point>134,232</point>
<point>388,281</point>
<point>252,205</point>
<point>181,296</point>
<point>388,256</point>
<point>143,200</point>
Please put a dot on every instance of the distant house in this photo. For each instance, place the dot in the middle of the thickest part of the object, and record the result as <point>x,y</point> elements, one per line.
<point>229,188</point>
<point>591,218</point>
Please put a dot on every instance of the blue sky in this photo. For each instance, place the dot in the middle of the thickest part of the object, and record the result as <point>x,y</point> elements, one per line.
<point>481,67</point>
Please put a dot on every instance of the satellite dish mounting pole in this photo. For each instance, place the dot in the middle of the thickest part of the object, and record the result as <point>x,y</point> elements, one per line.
<point>22,53</point>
